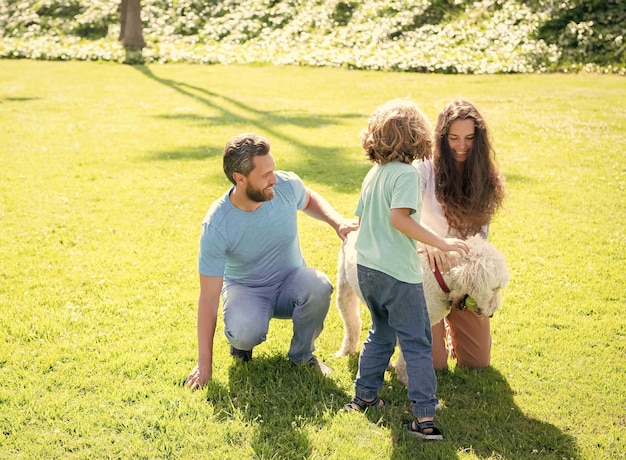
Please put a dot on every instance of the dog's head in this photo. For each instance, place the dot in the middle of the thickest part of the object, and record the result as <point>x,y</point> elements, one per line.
<point>482,274</point>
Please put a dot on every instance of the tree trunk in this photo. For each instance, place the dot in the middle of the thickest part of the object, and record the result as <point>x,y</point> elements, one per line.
<point>131,31</point>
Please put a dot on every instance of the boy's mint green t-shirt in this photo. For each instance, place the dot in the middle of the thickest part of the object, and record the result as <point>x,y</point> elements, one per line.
<point>379,245</point>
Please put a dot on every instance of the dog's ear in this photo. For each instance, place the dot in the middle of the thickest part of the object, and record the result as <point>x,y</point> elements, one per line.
<point>482,273</point>
<point>474,267</point>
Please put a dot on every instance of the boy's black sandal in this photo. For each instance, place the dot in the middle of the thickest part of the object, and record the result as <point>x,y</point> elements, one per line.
<point>358,404</point>
<point>424,430</point>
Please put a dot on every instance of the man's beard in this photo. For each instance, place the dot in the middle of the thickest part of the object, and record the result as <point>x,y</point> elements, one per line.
<point>259,195</point>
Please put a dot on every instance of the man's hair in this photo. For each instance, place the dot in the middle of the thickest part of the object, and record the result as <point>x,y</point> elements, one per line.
<point>239,152</point>
<point>397,131</point>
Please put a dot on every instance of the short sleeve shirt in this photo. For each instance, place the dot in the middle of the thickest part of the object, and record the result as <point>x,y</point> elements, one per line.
<point>379,245</point>
<point>258,248</point>
<point>432,212</point>
<point>433,216</point>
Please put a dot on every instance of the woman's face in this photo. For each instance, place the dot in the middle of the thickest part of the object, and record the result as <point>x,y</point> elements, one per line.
<point>461,139</point>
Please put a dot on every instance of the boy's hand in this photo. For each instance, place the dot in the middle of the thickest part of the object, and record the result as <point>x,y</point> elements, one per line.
<point>445,257</point>
<point>440,260</point>
<point>457,245</point>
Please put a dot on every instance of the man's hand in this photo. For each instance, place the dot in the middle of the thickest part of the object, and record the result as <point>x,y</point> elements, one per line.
<point>317,207</point>
<point>198,377</point>
<point>208,303</point>
<point>346,227</point>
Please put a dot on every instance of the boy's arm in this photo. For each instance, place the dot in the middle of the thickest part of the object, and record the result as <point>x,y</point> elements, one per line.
<point>402,221</point>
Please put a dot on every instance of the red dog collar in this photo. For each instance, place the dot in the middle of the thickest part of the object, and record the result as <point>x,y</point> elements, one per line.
<point>442,284</point>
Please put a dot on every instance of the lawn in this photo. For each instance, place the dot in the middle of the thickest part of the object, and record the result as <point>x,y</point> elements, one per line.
<point>107,171</point>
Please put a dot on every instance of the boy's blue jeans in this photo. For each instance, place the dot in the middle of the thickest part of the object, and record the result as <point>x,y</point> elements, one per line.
<point>304,296</point>
<point>399,312</point>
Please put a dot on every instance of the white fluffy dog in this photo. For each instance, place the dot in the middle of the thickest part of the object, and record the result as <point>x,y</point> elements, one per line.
<point>481,274</point>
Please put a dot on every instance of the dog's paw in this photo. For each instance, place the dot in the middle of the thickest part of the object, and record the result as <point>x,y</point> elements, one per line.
<point>345,351</point>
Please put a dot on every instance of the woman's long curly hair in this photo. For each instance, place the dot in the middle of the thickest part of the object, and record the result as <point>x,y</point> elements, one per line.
<point>397,131</point>
<point>471,197</point>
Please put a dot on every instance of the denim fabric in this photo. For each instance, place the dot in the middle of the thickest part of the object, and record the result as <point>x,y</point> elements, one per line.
<point>399,312</point>
<point>304,296</point>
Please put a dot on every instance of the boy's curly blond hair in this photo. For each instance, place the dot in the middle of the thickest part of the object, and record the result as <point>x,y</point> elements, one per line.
<point>397,131</point>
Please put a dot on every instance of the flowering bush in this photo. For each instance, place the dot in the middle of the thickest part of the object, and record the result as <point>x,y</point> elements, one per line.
<point>591,32</point>
<point>446,36</point>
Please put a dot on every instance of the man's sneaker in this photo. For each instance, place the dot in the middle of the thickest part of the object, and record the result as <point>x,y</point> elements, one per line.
<point>320,366</point>
<point>244,355</point>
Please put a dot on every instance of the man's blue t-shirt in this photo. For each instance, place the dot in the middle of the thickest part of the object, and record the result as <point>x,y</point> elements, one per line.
<point>256,248</point>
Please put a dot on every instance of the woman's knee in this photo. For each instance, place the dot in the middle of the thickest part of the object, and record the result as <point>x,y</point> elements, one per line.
<point>473,361</point>
<point>440,350</point>
<point>470,339</point>
<point>440,357</point>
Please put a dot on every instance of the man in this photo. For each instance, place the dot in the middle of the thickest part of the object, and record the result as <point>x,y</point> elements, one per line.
<point>250,253</point>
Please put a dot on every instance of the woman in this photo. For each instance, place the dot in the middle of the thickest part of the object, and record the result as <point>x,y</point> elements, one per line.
<point>461,191</point>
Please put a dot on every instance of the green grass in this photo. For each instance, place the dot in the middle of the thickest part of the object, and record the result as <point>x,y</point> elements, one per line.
<point>106,174</point>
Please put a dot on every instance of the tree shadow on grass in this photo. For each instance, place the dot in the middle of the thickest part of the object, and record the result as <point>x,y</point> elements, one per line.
<point>483,401</point>
<point>276,399</point>
<point>199,152</point>
<point>17,99</point>
<point>318,163</point>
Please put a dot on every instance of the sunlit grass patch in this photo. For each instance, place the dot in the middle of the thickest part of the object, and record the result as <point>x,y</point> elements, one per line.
<point>107,172</point>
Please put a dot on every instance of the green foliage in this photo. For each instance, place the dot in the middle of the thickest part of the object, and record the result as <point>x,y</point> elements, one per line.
<point>28,19</point>
<point>443,36</point>
<point>589,31</point>
<point>58,9</point>
<point>342,13</point>
<point>107,172</point>
<point>440,11</point>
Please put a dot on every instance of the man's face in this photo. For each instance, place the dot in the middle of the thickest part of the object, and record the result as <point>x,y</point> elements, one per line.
<point>260,182</point>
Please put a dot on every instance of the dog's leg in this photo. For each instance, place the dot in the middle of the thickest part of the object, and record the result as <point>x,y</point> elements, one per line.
<point>348,306</point>
<point>401,369</point>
